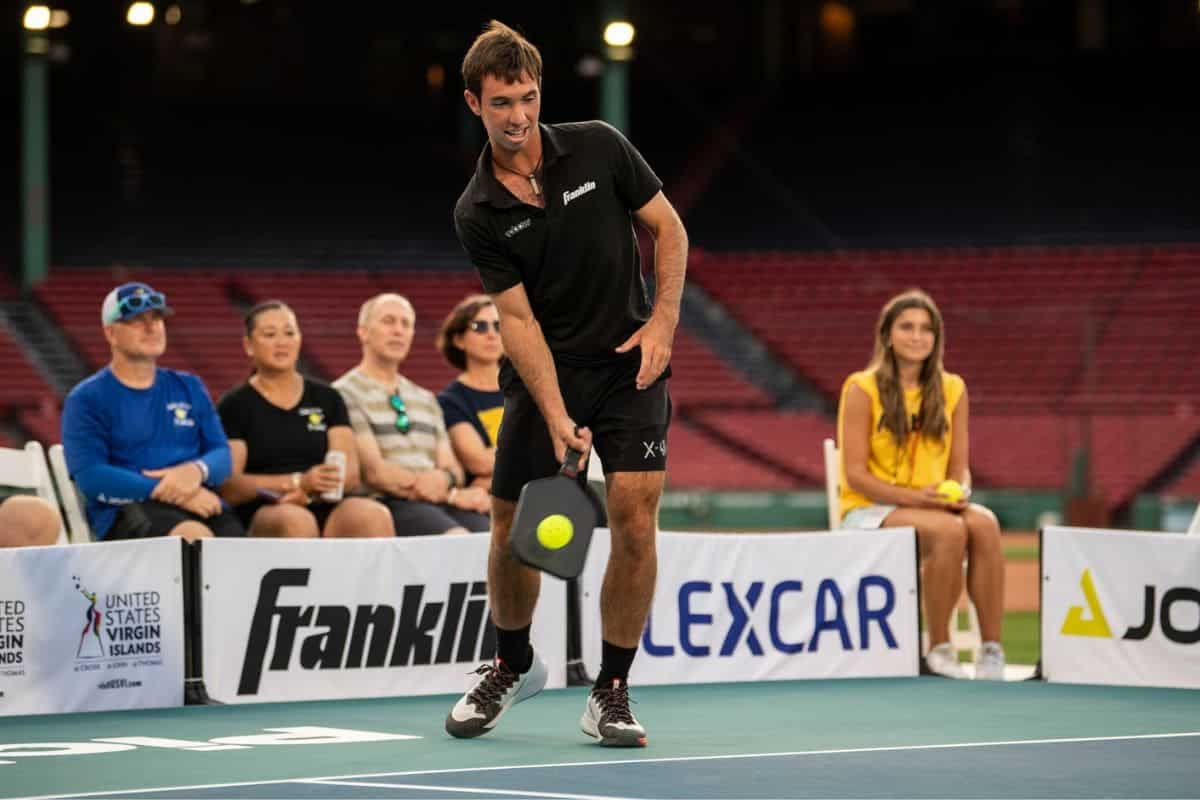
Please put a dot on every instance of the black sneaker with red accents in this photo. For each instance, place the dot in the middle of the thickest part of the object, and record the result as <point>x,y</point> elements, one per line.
<point>607,717</point>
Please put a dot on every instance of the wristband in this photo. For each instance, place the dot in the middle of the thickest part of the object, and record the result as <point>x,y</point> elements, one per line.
<point>453,481</point>
<point>200,465</point>
<point>296,477</point>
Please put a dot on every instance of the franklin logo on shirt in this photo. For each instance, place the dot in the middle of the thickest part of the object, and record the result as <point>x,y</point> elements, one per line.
<point>575,194</point>
<point>315,417</point>
<point>181,414</point>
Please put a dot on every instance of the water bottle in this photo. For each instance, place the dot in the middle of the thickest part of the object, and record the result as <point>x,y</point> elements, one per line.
<point>339,458</point>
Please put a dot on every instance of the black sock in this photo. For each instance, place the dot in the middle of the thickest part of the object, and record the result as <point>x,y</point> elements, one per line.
<point>614,663</point>
<point>512,647</point>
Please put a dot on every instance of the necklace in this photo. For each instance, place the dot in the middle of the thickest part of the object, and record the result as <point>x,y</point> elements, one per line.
<point>531,177</point>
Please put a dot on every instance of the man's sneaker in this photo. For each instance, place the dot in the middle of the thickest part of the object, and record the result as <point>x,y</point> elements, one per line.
<point>989,662</point>
<point>943,660</point>
<point>607,717</point>
<point>497,690</point>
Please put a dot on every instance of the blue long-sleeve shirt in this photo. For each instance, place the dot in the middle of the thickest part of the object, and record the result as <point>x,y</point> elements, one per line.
<point>112,432</point>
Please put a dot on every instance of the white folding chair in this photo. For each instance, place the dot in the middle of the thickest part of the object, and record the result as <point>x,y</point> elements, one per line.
<point>832,470</point>
<point>72,504</point>
<point>26,469</point>
<point>960,638</point>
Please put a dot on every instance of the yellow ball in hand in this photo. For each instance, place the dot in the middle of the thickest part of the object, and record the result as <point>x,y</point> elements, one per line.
<point>951,490</point>
<point>555,532</point>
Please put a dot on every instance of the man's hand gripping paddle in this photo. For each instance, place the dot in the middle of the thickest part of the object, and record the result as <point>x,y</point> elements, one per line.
<point>554,522</point>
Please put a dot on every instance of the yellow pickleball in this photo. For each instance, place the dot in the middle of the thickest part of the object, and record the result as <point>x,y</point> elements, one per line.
<point>951,490</point>
<point>555,532</point>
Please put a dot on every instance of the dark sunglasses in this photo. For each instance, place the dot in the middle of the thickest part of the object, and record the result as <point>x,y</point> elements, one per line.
<point>481,325</point>
<point>138,303</point>
<point>403,423</point>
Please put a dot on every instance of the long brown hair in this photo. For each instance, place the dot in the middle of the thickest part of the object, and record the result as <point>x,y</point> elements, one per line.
<point>930,421</point>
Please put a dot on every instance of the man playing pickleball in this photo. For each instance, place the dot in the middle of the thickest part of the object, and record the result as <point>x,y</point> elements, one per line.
<point>546,220</point>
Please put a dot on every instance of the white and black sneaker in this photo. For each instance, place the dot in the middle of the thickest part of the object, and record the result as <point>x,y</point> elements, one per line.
<point>497,690</point>
<point>608,719</point>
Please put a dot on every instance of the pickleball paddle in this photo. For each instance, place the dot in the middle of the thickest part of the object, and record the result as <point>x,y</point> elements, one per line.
<point>554,522</point>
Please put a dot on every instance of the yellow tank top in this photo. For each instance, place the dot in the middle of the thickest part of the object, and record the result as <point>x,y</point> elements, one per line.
<point>920,462</point>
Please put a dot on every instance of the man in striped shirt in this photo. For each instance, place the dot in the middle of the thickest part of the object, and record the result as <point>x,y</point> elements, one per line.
<point>401,437</point>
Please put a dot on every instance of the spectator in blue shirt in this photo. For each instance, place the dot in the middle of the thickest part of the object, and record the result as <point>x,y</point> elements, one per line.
<point>144,443</point>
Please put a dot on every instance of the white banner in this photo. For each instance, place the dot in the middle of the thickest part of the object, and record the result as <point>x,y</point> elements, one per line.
<point>91,627</point>
<point>1120,607</point>
<point>320,619</point>
<point>749,607</point>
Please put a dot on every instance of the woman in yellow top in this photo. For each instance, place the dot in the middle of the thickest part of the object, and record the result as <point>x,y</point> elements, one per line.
<point>902,427</point>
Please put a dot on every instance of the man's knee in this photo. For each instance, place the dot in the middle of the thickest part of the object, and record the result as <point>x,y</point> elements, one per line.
<point>284,522</point>
<point>191,531</point>
<point>26,520</point>
<point>503,512</point>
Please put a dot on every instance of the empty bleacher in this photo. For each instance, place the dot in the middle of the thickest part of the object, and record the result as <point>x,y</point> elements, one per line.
<point>1020,324</point>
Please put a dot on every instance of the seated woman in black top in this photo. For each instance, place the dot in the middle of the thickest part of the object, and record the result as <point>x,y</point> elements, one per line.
<point>473,403</point>
<point>280,425</point>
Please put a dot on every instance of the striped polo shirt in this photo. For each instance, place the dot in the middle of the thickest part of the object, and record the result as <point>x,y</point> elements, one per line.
<point>371,412</point>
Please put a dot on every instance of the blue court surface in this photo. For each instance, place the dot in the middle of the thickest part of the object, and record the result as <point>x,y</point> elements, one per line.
<point>918,737</point>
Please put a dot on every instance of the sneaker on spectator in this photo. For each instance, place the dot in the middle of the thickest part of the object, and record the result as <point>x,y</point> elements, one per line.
<point>989,662</point>
<point>943,660</point>
<point>497,690</point>
<point>607,717</point>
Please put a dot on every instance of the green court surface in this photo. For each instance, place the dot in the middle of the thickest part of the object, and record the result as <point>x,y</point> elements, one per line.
<point>916,737</point>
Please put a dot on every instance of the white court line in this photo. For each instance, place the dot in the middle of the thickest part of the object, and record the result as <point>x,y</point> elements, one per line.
<point>665,760</point>
<point>461,789</point>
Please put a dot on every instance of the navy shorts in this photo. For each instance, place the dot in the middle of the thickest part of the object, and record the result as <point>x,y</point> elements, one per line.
<point>629,426</point>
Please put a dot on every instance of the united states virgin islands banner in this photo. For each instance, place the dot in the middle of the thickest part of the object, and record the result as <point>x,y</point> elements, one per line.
<point>306,620</point>
<point>91,627</point>
<point>747,607</point>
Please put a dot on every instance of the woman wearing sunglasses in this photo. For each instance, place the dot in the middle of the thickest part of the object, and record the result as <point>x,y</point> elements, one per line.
<point>281,426</point>
<point>473,404</point>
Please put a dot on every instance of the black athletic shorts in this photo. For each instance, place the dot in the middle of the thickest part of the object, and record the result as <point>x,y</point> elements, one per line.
<point>629,427</point>
<point>151,518</point>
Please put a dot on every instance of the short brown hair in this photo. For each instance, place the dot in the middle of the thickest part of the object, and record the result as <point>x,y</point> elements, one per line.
<point>503,53</point>
<point>457,323</point>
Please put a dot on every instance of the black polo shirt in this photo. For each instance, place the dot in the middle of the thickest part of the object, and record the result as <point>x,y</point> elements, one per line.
<point>577,257</point>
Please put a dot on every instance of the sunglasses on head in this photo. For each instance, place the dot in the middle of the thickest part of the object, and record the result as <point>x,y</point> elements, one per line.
<point>403,423</point>
<point>481,325</point>
<point>137,303</point>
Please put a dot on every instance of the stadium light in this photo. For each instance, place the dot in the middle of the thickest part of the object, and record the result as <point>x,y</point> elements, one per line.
<point>37,18</point>
<point>619,34</point>
<point>140,14</point>
<point>59,18</point>
<point>173,15</point>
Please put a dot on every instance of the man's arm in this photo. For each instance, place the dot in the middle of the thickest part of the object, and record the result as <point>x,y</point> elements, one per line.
<point>214,462</point>
<point>85,442</point>
<point>670,264</point>
<point>525,346</point>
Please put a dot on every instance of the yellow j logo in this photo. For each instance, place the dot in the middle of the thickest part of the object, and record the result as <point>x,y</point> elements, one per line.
<point>1096,625</point>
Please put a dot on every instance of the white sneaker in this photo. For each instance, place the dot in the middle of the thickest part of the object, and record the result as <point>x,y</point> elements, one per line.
<point>943,660</point>
<point>607,717</point>
<point>498,690</point>
<point>989,662</point>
